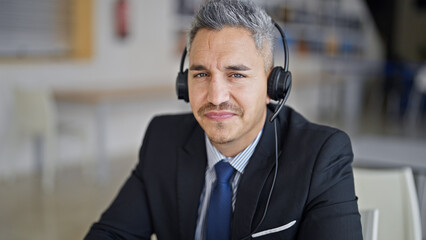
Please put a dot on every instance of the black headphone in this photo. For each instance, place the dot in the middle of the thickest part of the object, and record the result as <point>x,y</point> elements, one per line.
<point>279,80</point>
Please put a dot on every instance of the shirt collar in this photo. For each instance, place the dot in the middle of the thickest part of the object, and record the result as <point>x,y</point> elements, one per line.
<point>239,162</point>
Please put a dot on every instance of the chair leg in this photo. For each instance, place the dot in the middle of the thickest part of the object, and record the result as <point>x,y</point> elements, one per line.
<point>49,163</point>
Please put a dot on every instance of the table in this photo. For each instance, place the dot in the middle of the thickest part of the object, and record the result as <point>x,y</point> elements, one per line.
<point>99,100</point>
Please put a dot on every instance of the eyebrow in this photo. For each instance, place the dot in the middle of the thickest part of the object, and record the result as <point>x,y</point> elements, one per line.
<point>239,67</point>
<point>197,67</point>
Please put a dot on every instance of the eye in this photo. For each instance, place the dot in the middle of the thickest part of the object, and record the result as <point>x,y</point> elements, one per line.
<point>237,75</point>
<point>200,75</point>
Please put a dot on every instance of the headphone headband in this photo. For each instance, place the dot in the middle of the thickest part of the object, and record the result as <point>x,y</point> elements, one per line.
<point>284,40</point>
<point>182,60</point>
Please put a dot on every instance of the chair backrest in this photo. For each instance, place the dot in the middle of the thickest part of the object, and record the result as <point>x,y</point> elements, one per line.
<point>393,193</point>
<point>35,111</point>
<point>370,223</point>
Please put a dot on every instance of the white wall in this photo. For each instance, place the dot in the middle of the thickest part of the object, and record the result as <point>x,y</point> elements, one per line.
<point>144,56</point>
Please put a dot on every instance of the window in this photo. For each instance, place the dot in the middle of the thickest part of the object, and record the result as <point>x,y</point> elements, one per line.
<point>46,28</point>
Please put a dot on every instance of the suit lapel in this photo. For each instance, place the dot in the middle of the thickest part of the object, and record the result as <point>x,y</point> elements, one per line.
<point>192,160</point>
<point>252,183</point>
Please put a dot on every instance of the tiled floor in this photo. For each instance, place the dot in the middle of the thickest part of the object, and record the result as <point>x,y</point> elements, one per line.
<point>65,213</point>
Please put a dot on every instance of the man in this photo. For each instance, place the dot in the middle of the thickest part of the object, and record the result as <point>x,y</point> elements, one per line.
<point>301,190</point>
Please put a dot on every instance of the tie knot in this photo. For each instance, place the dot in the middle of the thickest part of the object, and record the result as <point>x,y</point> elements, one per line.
<point>224,171</point>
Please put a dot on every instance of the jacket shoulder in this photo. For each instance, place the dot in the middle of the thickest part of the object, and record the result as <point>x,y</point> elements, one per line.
<point>295,123</point>
<point>172,128</point>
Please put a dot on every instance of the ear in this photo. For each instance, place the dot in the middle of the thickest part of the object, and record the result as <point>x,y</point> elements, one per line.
<point>269,72</point>
<point>268,99</point>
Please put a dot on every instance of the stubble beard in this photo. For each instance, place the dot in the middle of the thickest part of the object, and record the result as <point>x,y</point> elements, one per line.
<point>220,140</point>
<point>220,127</point>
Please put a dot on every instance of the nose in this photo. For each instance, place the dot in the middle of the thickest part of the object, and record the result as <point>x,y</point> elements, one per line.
<point>218,90</point>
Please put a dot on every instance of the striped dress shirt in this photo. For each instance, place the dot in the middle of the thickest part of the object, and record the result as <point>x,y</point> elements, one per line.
<point>239,162</point>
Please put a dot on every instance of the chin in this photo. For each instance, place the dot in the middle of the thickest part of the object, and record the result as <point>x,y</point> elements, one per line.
<point>220,135</point>
<point>220,132</point>
<point>220,139</point>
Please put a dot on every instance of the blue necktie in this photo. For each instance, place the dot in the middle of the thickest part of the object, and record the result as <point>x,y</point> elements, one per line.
<point>220,208</point>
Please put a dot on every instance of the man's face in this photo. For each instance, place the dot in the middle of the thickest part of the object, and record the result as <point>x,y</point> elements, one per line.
<point>227,87</point>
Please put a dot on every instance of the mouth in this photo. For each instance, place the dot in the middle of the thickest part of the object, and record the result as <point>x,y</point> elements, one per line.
<point>219,116</point>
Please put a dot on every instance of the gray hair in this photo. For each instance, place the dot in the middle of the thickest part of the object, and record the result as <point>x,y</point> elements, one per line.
<point>216,14</point>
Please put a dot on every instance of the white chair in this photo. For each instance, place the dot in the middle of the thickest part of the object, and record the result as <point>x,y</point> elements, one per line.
<point>369,223</point>
<point>35,118</point>
<point>393,193</point>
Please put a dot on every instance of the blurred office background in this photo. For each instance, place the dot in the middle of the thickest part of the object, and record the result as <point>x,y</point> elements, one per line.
<point>80,80</point>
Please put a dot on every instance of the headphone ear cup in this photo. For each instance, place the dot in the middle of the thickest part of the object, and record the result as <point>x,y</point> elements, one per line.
<point>272,82</point>
<point>279,82</point>
<point>182,85</point>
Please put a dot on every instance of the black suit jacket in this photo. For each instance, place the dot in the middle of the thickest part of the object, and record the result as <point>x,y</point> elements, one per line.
<point>314,184</point>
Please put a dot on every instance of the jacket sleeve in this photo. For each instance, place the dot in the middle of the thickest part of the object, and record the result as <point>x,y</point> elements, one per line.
<point>128,217</point>
<point>331,212</point>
